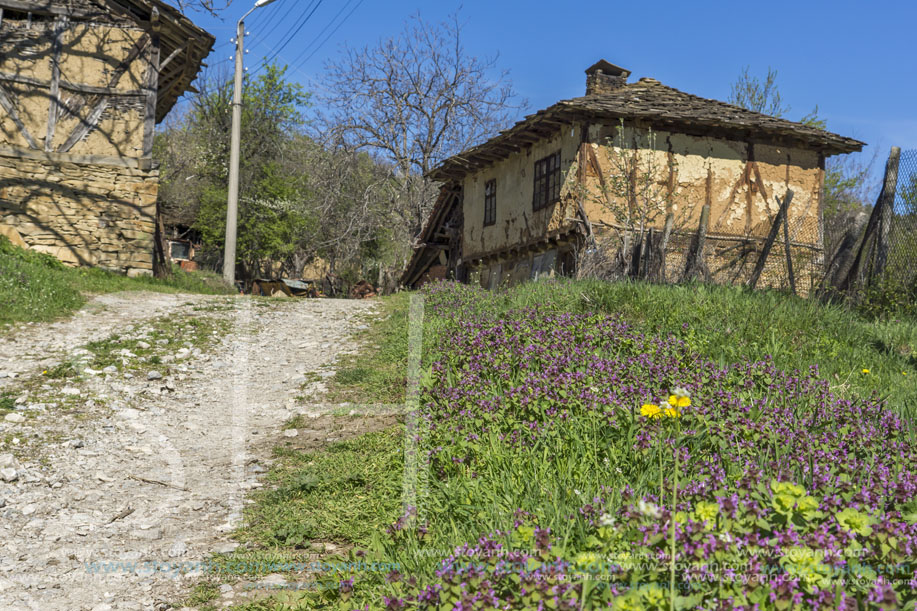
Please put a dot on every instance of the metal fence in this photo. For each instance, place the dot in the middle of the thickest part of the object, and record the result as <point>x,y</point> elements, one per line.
<point>881,255</point>
<point>901,267</point>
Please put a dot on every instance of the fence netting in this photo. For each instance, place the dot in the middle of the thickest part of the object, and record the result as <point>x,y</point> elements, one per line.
<point>876,248</point>
<point>901,267</point>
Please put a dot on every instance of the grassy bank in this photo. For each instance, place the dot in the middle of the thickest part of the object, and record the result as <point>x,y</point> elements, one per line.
<point>539,443</point>
<point>723,324</point>
<point>37,287</point>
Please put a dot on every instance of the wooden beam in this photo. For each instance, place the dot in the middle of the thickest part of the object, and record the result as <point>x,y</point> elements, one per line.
<point>789,251</point>
<point>68,86</point>
<point>887,212</point>
<point>768,244</point>
<point>170,57</point>
<point>39,155</point>
<point>54,105</point>
<point>46,8</point>
<point>83,129</point>
<point>6,101</point>
<point>152,87</point>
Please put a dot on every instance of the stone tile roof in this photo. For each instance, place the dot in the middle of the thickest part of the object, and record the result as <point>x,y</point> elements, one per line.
<point>663,107</point>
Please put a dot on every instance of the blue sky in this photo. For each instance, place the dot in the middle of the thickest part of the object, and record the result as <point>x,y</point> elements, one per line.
<point>856,61</point>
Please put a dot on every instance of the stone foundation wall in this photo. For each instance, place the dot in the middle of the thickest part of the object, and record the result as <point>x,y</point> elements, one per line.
<point>83,214</point>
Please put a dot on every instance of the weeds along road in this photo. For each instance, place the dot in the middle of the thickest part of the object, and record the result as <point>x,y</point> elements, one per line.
<point>131,433</point>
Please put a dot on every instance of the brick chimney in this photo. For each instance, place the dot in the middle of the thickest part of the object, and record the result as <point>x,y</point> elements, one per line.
<point>604,77</point>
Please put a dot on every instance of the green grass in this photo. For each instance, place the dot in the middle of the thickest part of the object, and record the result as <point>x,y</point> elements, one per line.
<point>376,373</point>
<point>202,595</point>
<point>37,287</point>
<point>342,493</point>
<point>724,324</point>
<point>316,494</point>
<point>728,324</point>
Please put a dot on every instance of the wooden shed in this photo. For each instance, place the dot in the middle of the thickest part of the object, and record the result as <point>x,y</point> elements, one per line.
<point>82,85</point>
<point>520,205</point>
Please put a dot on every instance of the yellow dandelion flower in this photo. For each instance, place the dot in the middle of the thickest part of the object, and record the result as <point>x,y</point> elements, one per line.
<point>679,397</point>
<point>672,412</point>
<point>866,371</point>
<point>650,410</point>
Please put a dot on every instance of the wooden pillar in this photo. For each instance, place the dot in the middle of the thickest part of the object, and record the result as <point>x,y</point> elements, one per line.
<point>749,196</point>
<point>887,211</point>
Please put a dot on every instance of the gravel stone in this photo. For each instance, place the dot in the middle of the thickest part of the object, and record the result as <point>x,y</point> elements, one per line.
<point>147,476</point>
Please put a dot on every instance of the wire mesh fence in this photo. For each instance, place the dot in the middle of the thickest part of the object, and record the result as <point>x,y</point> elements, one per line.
<point>790,259</point>
<point>901,264</point>
<point>878,258</point>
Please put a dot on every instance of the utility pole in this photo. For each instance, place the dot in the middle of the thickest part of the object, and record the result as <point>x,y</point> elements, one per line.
<point>232,202</point>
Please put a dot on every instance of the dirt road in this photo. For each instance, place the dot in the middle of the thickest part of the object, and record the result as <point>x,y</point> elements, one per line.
<point>110,476</point>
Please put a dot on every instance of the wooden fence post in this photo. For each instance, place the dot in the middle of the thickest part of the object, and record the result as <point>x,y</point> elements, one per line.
<point>769,242</point>
<point>789,255</point>
<point>839,264</point>
<point>696,254</point>
<point>889,188</point>
<point>664,246</point>
<point>872,225</point>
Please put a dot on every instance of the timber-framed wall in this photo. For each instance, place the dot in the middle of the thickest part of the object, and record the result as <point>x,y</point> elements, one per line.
<point>82,85</point>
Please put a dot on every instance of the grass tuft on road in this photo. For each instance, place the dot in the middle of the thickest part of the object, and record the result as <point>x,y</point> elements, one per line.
<point>341,493</point>
<point>36,287</point>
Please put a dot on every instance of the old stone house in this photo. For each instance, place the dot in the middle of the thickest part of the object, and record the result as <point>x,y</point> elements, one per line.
<point>82,85</point>
<point>522,204</point>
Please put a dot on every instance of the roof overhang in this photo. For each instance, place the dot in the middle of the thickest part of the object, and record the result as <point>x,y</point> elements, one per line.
<point>548,123</point>
<point>183,47</point>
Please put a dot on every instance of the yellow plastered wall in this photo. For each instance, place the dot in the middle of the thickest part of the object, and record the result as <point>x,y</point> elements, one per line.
<point>516,221</point>
<point>743,193</point>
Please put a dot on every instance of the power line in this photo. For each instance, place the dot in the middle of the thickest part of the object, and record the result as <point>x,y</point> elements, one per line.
<point>297,29</point>
<point>270,22</point>
<point>322,43</point>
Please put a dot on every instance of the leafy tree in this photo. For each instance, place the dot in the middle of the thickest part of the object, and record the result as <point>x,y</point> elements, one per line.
<point>300,201</point>
<point>200,149</point>
<point>758,95</point>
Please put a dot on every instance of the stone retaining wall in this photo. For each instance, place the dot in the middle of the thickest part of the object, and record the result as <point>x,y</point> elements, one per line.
<point>83,214</point>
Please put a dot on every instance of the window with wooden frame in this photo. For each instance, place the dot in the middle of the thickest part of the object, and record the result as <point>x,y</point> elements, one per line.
<point>547,181</point>
<point>490,202</point>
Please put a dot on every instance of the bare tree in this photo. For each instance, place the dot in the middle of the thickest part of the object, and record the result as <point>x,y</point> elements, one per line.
<point>416,99</point>
<point>209,6</point>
